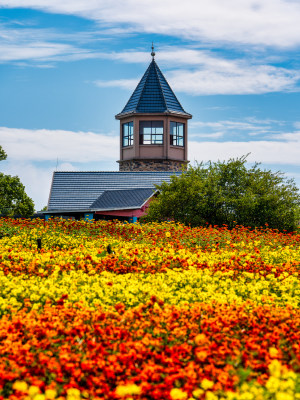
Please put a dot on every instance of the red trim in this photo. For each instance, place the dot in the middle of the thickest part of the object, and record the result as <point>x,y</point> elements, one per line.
<point>126,213</point>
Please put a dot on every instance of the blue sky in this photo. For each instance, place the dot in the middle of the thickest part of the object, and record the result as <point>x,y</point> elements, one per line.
<point>67,68</point>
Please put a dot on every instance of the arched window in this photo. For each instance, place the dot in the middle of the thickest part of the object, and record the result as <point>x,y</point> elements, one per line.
<point>151,132</point>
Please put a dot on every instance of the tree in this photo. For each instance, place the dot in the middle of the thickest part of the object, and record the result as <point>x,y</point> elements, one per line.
<point>228,193</point>
<point>3,155</point>
<point>13,199</point>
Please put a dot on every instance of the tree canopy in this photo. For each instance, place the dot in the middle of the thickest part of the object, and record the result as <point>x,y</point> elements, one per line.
<point>227,193</point>
<point>3,155</point>
<point>13,199</point>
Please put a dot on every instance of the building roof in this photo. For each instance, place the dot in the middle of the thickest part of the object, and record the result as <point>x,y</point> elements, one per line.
<point>121,199</point>
<point>77,191</point>
<point>153,94</point>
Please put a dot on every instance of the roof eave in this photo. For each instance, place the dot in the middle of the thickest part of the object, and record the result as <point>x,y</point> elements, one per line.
<point>135,207</point>
<point>167,112</point>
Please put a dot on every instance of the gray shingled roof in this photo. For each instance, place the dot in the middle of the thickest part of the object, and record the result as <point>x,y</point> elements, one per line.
<point>79,190</point>
<point>120,199</point>
<point>153,94</point>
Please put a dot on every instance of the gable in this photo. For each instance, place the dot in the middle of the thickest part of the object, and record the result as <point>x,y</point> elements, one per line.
<point>121,199</point>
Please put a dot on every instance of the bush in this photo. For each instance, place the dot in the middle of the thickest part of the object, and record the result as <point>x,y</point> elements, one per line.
<point>227,193</point>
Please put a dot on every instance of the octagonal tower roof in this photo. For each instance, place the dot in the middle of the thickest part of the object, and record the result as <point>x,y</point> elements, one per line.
<point>152,95</point>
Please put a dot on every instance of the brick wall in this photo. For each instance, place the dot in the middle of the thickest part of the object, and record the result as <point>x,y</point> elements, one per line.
<point>151,165</point>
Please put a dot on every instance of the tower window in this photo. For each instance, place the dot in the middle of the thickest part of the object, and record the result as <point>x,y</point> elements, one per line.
<point>151,132</point>
<point>127,134</point>
<point>177,133</point>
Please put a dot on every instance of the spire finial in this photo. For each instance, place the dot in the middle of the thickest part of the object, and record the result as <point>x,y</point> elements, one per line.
<point>152,53</point>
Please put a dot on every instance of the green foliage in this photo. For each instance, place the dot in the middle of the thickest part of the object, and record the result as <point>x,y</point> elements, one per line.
<point>228,193</point>
<point>3,155</point>
<point>13,199</point>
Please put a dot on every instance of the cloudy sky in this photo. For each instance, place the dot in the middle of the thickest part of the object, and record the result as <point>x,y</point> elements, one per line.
<point>67,67</point>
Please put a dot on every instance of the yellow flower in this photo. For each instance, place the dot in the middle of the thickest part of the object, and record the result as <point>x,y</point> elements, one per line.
<point>273,384</point>
<point>39,396</point>
<point>50,394</point>
<point>33,390</point>
<point>178,394</point>
<point>211,396</point>
<point>73,394</point>
<point>197,393</point>
<point>275,368</point>
<point>21,386</point>
<point>284,396</point>
<point>207,384</point>
<point>130,389</point>
<point>273,352</point>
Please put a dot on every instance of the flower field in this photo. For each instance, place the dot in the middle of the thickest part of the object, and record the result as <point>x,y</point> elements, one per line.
<point>106,310</point>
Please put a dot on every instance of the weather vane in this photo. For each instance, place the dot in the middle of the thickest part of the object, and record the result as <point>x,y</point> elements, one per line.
<point>152,53</point>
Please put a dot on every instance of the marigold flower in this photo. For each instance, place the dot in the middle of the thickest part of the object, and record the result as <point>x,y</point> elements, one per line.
<point>200,338</point>
<point>50,394</point>
<point>39,396</point>
<point>201,355</point>
<point>126,390</point>
<point>207,384</point>
<point>197,393</point>
<point>73,394</point>
<point>273,352</point>
<point>33,390</point>
<point>212,396</point>
<point>178,394</point>
<point>21,386</point>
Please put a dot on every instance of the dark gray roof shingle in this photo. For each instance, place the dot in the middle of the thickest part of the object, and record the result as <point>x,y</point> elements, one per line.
<point>118,199</point>
<point>79,190</point>
<point>153,94</point>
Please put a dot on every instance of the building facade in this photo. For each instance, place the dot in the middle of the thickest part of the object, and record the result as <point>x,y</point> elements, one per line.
<point>153,126</point>
<point>153,147</point>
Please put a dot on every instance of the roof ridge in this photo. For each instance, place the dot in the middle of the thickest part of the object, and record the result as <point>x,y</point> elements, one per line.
<point>170,90</point>
<point>144,85</point>
<point>137,188</point>
<point>159,82</point>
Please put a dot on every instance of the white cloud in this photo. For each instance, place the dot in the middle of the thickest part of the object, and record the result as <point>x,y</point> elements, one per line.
<point>264,128</point>
<point>211,74</point>
<point>287,136</point>
<point>230,125</point>
<point>280,148</point>
<point>267,152</point>
<point>297,124</point>
<point>196,72</point>
<point>251,80</point>
<point>128,84</point>
<point>240,80</point>
<point>267,22</point>
<point>37,180</point>
<point>36,51</point>
<point>209,135</point>
<point>32,44</point>
<point>33,155</point>
<point>41,145</point>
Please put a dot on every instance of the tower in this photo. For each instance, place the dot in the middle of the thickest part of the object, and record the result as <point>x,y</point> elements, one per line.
<point>153,126</point>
